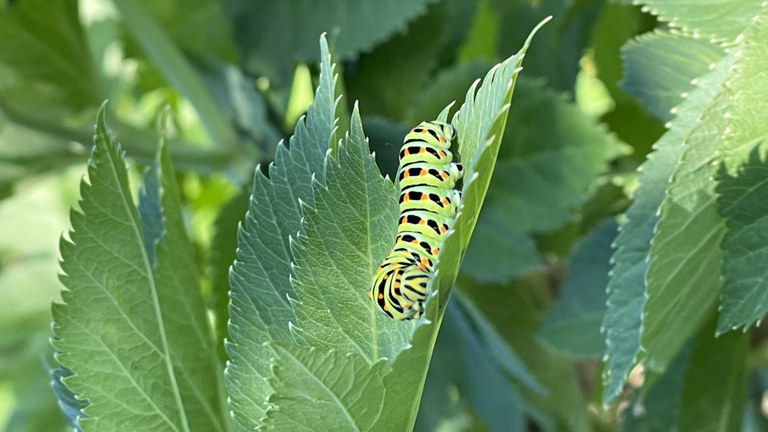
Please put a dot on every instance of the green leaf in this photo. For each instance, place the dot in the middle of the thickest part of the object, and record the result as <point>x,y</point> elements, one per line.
<point>125,326</point>
<point>515,312</point>
<point>502,354</point>
<point>497,241</point>
<point>463,369</point>
<point>259,309</point>
<point>572,326</point>
<point>385,138</point>
<point>543,175</point>
<point>324,390</point>
<point>190,337</point>
<point>715,383</point>
<point>354,210</point>
<point>446,87</point>
<point>741,201</point>
<point>660,68</point>
<point>561,45</point>
<point>199,26</point>
<point>654,407</point>
<point>400,67</point>
<point>44,59</point>
<point>741,189</point>
<point>709,19</point>
<point>626,288</point>
<point>685,258</point>
<point>273,36</point>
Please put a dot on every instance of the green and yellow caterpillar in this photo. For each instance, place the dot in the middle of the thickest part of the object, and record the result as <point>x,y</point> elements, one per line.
<point>428,206</point>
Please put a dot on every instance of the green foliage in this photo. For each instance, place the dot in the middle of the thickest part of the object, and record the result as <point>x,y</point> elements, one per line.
<point>139,331</point>
<point>259,307</point>
<point>648,117</point>
<point>661,68</point>
<point>572,326</point>
<point>260,29</point>
<point>696,198</point>
<point>543,173</point>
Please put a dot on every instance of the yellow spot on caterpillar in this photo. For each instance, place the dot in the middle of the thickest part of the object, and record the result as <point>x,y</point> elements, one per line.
<point>380,296</point>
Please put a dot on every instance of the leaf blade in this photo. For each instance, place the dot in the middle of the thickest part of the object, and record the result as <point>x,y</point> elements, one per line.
<point>91,346</point>
<point>626,287</point>
<point>260,286</point>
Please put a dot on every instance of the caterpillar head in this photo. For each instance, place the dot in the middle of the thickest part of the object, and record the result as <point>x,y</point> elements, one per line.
<point>435,133</point>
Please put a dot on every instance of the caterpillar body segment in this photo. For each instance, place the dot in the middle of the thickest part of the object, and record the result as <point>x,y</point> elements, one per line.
<point>428,202</point>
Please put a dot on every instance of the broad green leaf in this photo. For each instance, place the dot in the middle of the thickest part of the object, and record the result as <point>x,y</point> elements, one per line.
<point>44,59</point>
<point>626,288</point>
<point>716,19</point>
<point>385,138</point>
<point>198,26</point>
<point>272,36</point>
<point>660,68</point>
<point>543,174</point>
<point>685,257</point>
<point>741,190</point>
<point>399,67</point>
<point>516,311</point>
<point>562,43</point>
<point>462,369</point>
<point>259,308</point>
<point>572,325</point>
<point>446,87</point>
<point>318,390</point>
<point>499,251</point>
<point>741,201</point>
<point>654,406</point>
<point>714,383</point>
<point>502,354</point>
<point>190,337</point>
<point>345,236</point>
<point>125,326</point>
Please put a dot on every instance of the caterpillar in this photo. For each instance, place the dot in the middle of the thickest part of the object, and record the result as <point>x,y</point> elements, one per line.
<point>426,177</point>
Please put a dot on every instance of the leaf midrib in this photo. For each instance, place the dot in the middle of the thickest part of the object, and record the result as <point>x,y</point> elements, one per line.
<point>139,238</point>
